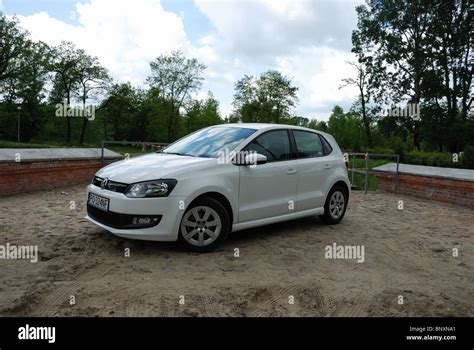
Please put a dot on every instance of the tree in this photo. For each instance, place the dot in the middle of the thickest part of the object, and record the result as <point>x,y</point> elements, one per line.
<point>321,125</point>
<point>175,78</point>
<point>13,41</point>
<point>121,110</point>
<point>417,52</point>
<point>393,39</point>
<point>361,81</point>
<point>269,98</point>
<point>201,114</point>
<point>65,66</point>
<point>30,86</point>
<point>92,78</point>
<point>23,75</point>
<point>452,68</point>
<point>246,104</point>
<point>277,94</point>
<point>345,129</point>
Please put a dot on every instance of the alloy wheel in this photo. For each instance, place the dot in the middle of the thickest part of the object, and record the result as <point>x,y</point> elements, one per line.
<point>201,226</point>
<point>336,204</point>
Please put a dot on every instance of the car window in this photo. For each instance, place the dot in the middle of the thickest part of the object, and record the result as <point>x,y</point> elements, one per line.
<point>275,145</point>
<point>308,144</point>
<point>326,146</point>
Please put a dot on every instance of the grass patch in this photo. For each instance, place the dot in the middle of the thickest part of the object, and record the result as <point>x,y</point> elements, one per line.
<point>11,144</point>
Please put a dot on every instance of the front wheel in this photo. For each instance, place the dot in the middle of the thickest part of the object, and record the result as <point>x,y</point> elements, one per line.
<point>335,206</point>
<point>204,226</point>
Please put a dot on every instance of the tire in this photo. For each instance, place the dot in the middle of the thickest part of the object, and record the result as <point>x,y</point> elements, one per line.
<point>204,226</point>
<point>334,210</point>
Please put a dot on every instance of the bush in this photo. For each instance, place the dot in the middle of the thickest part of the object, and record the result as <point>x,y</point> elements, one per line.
<point>438,159</point>
<point>467,159</point>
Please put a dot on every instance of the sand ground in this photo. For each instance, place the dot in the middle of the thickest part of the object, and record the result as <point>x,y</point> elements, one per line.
<point>282,269</point>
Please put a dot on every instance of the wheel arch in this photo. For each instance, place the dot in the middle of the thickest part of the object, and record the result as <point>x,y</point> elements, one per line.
<point>344,186</point>
<point>218,197</point>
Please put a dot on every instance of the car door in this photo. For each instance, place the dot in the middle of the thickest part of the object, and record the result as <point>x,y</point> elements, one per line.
<point>314,169</point>
<point>268,190</point>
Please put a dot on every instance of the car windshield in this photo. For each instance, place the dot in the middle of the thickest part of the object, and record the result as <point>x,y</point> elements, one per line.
<point>210,142</point>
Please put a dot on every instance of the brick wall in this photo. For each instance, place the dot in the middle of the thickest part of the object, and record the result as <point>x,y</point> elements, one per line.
<point>457,192</point>
<point>42,175</point>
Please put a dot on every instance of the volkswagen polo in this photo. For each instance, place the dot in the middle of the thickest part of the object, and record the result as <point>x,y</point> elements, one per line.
<point>221,179</point>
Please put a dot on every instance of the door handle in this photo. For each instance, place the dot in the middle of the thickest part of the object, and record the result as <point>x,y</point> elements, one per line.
<point>291,171</point>
<point>327,166</point>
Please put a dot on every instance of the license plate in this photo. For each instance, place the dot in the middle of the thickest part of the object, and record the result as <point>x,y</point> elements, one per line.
<point>98,202</point>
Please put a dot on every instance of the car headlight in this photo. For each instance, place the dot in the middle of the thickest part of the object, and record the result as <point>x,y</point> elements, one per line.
<point>156,188</point>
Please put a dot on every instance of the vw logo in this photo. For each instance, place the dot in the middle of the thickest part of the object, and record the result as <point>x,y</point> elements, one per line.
<point>104,183</point>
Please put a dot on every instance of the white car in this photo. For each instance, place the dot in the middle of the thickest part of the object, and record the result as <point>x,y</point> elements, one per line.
<point>220,179</point>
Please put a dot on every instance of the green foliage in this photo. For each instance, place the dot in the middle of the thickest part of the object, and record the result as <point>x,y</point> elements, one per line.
<point>267,99</point>
<point>418,52</point>
<point>201,114</point>
<point>14,44</point>
<point>174,78</point>
<point>121,114</point>
<point>430,159</point>
<point>345,127</point>
<point>467,159</point>
<point>318,125</point>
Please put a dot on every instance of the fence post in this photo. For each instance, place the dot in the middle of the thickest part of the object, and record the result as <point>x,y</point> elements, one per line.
<point>366,172</point>
<point>353,167</point>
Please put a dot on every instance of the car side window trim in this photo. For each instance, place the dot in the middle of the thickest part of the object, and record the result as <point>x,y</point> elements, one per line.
<point>294,149</point>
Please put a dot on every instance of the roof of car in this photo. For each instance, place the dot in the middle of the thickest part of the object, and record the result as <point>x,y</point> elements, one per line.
<point>260,126</point>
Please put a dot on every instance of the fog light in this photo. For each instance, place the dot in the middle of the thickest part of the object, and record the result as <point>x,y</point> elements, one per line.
<point>144,221</point>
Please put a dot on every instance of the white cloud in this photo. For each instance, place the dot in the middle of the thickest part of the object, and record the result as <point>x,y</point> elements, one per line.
<point>319,72</point>
<point>124,36</point>
<point>308,40</point>
<point>275,27</point>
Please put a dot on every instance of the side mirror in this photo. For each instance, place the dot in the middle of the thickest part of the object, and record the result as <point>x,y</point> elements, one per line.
<point>252,159</point>
<point>255,159</point>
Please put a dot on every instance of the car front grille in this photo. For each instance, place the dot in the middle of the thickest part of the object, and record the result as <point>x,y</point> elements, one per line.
<point>111,185</point>
<point>121,221</point>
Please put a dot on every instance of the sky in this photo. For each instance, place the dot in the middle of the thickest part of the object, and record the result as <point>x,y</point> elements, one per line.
<point>307,40</point>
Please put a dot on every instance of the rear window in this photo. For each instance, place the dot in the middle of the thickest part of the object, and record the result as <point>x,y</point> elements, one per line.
<point>326,146</point>
<point>308,144</point>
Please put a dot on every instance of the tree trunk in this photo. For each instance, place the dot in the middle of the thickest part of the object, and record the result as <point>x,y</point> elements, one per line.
<point>84,121</point>
<point>365,120</point>
<point>68,119</point>
<point>83,131</point>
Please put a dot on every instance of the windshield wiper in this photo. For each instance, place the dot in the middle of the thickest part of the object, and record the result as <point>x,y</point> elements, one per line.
<point>178,154</point>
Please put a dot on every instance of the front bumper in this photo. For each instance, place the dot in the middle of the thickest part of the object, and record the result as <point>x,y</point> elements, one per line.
<point>168,211</point>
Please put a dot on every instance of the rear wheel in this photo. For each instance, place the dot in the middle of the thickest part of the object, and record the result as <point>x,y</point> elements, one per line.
<point>335,206</point>
<point>204,225</point>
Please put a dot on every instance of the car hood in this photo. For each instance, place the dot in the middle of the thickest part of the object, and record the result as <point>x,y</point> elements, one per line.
<point>149,167</point>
